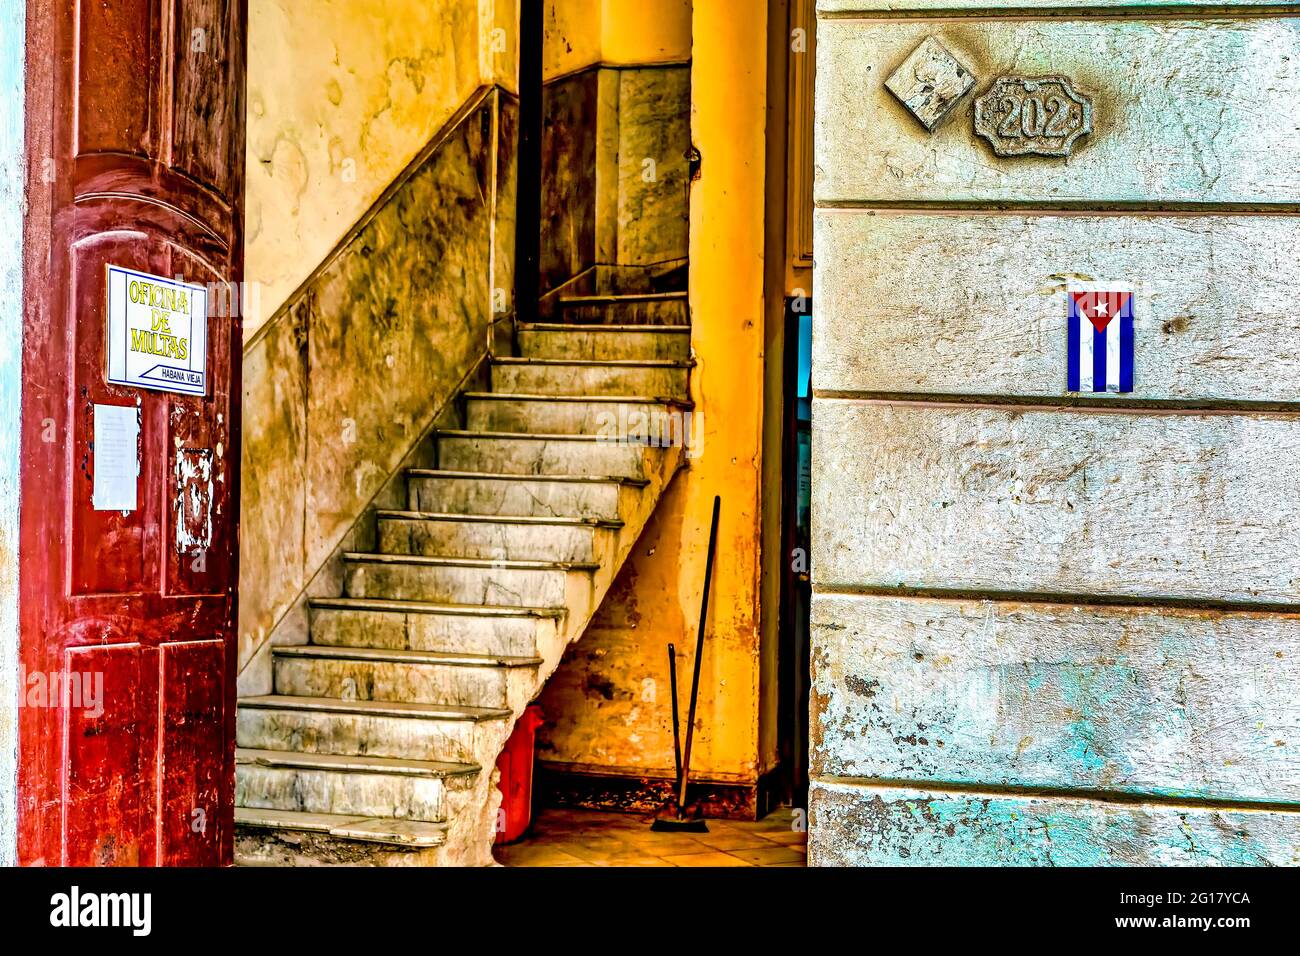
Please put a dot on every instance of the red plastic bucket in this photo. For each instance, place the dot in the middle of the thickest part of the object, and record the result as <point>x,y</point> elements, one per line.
<point>516,777</point>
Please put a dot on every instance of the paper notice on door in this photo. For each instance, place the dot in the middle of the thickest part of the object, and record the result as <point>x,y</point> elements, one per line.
<point>116,463</point>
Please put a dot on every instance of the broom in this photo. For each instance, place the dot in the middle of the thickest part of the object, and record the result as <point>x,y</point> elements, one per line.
<point>677,816</point>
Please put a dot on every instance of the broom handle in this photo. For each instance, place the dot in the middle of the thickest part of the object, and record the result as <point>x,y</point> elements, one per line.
<point>699,654</point>
<point>677,734</point>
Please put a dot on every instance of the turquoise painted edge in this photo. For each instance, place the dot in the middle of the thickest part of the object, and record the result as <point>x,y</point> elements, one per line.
<point>864,825</point>
<point>13,15</point>
<point>1013,7</point>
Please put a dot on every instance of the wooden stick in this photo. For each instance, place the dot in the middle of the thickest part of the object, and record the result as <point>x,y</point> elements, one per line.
<point>699,654</point>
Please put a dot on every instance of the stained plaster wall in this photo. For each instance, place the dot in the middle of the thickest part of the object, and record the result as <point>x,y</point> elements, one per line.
<point>341,96</point>
<point>345,379</point>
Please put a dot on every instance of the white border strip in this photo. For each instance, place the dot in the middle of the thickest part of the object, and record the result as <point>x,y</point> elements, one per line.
<point>13,14</point>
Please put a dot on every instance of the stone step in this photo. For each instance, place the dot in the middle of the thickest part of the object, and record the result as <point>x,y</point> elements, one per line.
<point>386,830</point>
<point>396,729</point>
<point>650,308</point>
<point>495,538</point>
<point>542,455</point>
<point>422,626</point>
<point>601,343</point>
<point>527,376</point>
<point>368,673</point>
<point>493,493</point>
<point>467,581</point>
<point>622,418</point>
<point>342,784</point>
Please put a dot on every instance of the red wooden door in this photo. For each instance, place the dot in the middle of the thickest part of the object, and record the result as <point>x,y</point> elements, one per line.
<point>135,152</point>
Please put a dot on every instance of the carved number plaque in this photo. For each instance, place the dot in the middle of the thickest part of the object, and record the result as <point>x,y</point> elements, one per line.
<point>1033,116</point>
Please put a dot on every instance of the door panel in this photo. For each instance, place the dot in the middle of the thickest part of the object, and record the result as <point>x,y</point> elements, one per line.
<point>143,125</point>
<point>108,774</point>
<point>112,106</point>
<point>191,789</point>
<point>201,127</point>
<point>109,552</point>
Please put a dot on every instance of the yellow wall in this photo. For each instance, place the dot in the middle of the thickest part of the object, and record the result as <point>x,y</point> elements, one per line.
<point>572,36</point>
<point>640,31</point>
<point>580,33</point>
<point>612,710</point>
<point>341,96</point>
<point>729,100</point>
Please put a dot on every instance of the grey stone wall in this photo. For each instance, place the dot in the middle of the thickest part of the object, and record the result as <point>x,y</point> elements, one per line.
<point>614,175</point>
<point>1056,628</point>
<point>643,207</point>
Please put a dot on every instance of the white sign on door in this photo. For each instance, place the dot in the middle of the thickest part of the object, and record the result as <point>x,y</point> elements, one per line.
<point>117,458</point>
<point>157,332</point>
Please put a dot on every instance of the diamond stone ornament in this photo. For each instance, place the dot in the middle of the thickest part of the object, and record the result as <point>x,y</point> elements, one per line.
<point>930,82</point>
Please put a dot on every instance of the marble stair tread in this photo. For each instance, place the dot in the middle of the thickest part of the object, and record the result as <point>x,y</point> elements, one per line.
<point>615,298</point>
<point>629,416</point>
<point>533,436</point>
<point>394,766</point>
<point>528,436</point>
<point>617,336</point>
<point>400,656</point>
<point>412,833</point>
<point>681,403</point>
<point>487,563</point>
<point>533,520</point>
<point>599,363</point>
<point>572,375</point>
<point>506,476</point>
<point>432,607</point>
<point>570,327</point>
<point>388,830</point>
<point>376,708</point>
<point>653,309</point>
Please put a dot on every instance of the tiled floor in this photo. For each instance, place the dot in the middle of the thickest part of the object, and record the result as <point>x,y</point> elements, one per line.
<point>590,838</point>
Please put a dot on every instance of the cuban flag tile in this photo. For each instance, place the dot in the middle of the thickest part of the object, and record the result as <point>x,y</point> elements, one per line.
<point>1100,344</point>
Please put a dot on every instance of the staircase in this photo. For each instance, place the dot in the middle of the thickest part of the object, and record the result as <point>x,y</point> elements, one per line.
<point>379,743</point>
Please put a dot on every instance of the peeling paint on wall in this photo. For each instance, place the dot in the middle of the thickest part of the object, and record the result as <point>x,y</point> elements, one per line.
<point>193,504</point>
